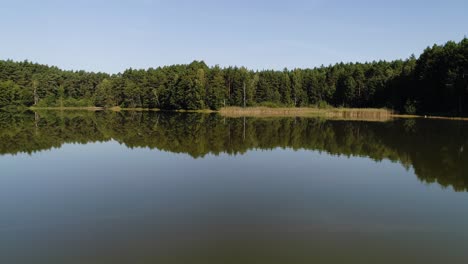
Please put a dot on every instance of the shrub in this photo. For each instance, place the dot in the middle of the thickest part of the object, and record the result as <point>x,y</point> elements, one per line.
<point>323,104</point>
<point>49,101</point>
<point>410,107</point>
<point>72,102</point>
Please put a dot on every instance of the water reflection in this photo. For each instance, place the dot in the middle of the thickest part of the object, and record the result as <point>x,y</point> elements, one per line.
<point>434,148</point>
<point>193,188</point>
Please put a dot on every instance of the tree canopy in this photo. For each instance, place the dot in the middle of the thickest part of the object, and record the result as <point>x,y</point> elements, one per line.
<point>436,82</point>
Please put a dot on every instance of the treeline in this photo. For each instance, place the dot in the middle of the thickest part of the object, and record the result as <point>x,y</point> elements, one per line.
<point>436,82</point>
<point>434,148</point>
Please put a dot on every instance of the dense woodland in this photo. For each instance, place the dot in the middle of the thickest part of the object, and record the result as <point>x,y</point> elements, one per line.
<point>433,148</point>
<point>436,82</point>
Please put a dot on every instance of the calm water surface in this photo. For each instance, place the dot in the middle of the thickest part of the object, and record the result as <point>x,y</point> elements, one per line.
<point>132,187</point>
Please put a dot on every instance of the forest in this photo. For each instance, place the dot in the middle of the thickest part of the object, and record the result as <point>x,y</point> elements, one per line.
<point>434,83</point>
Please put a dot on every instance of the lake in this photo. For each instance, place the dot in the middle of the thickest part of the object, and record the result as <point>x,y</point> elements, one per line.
<point>149,187</point>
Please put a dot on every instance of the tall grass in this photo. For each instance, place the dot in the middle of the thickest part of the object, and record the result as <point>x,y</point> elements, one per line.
<point>335,113</point>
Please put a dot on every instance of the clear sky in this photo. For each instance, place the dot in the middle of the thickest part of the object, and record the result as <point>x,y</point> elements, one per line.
<point>111,36</point>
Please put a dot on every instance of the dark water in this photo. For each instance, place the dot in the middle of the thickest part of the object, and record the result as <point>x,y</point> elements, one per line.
<point>82,187</point>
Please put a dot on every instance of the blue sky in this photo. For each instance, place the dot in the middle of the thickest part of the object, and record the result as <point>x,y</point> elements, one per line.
<point>111,36</point>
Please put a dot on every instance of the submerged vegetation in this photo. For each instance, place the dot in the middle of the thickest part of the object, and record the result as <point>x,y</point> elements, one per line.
<point>434,83</point>
<point>433,148</point>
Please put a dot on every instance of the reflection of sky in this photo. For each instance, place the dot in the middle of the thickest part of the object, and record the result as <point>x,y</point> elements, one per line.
<point>106,188</point>
<point>113,35</point>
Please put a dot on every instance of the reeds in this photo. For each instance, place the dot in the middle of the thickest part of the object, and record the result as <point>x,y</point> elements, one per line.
<point>332,113</point>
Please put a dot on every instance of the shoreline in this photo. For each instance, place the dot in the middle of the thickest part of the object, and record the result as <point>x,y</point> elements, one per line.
<point>365,114</point>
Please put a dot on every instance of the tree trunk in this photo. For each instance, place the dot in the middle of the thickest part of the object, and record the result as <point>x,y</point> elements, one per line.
<point>244,94</point>
<point>243,135</point>
<point>36,122</point>
<point>36,98</point>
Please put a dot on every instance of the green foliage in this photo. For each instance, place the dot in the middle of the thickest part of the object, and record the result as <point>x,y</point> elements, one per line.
<point>72,102</point>
<point>215,89</point>
<point>410,107</point>
<point>437,80</point>
<point>103,95</point>
<point>9,93</point>
<point>48,101</point>
<point>323,105</point>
